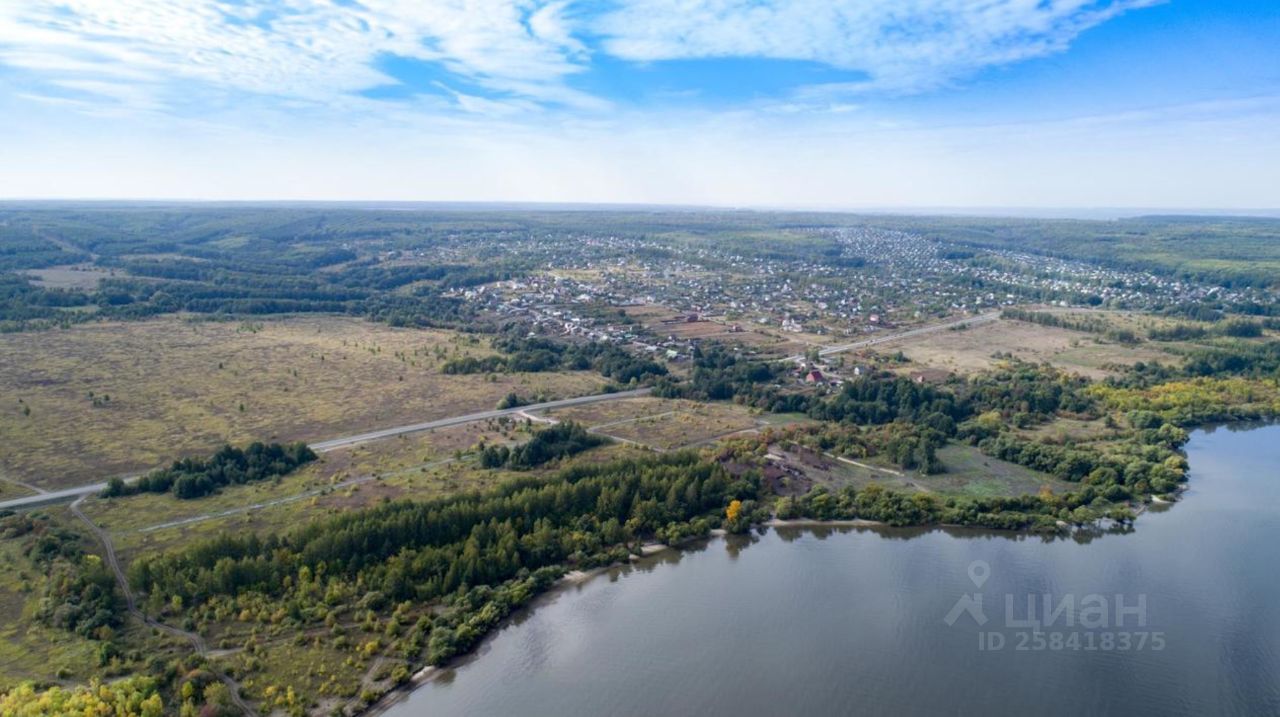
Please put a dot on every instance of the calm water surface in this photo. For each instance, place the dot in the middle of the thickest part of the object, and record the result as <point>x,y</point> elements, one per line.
<point>853,621</point>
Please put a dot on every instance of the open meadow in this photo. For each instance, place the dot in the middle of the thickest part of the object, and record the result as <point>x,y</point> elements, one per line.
<point>972,349</point>
<point>966,473</point>
<point>660,423</point>
<point>93,401</point>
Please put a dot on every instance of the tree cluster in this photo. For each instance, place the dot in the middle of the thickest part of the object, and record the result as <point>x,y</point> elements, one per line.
<point>80,593</point>
<point>191,478</point>
<point>552,443</point>
<point>537,354</point>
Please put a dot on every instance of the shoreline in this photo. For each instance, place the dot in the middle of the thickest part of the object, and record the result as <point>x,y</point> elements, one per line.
<point>572,578</point>
<point>577,577</point>
<point>843,523</point>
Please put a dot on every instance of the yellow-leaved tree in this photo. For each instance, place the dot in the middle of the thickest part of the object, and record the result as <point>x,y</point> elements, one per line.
<point>134,697</point>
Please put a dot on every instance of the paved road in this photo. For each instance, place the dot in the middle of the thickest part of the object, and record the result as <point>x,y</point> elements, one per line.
<point>62,496</point>
<point>55,496</point>
<point>470,417</point>
<point>886,338</point>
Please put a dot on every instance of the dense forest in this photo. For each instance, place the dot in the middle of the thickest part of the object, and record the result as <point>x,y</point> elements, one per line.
<point>132,697</point>
<point>235,261</point>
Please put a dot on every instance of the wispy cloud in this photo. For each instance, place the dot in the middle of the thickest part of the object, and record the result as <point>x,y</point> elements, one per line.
<point>150,55</point>
<point>901,45</point>
<point>310,50</point>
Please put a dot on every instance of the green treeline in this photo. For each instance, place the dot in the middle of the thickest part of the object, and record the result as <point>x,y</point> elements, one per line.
<point>1028,393</point>
<point>1074,322</point>
<point>536,355</point>
<point>1037,512</point>
<point>1233,328</point>
<point>1147,462</point>
<point>197,477</point>
<point>1248,359</point>
<point>463,547</point>
<point>558,441</point>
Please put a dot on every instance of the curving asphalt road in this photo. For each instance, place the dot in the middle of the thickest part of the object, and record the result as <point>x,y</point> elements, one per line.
<point>62,496</point>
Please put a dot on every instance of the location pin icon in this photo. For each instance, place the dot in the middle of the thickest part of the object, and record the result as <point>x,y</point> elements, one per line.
<point>979,571</point>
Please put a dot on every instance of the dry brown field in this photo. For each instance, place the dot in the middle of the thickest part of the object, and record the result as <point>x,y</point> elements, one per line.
<point>662,424</point>
<point>98,400</point>
<point>972,349</point>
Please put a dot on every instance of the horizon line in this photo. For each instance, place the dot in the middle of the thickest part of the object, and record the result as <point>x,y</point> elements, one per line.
<point>989,211</point>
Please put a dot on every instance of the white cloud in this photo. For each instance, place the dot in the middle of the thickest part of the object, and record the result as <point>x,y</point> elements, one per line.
<point>166,53</point>
<point>311,50</point>
<point>259,99</point>
<point>901,45</point>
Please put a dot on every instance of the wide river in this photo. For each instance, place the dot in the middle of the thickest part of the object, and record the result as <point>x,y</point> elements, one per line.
<point>1179,617</point>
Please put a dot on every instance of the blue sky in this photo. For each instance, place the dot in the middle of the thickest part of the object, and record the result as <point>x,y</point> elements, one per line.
<point>833,103</point>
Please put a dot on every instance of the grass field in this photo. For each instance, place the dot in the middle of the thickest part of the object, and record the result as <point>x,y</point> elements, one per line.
<point>83,278</point>
<point>968,473</point>
<point>99,400</point>
<point>12,490</point>
<point>659,423</point>
<point>1062,430</point>
<point>835,473</point>
<point>971,350</point>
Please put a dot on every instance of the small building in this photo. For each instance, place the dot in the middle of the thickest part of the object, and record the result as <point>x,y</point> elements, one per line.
<point>814,376</point>
<point>930,376</point>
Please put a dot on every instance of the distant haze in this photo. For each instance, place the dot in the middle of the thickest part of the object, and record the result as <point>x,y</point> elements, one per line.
<point>998,107</point>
